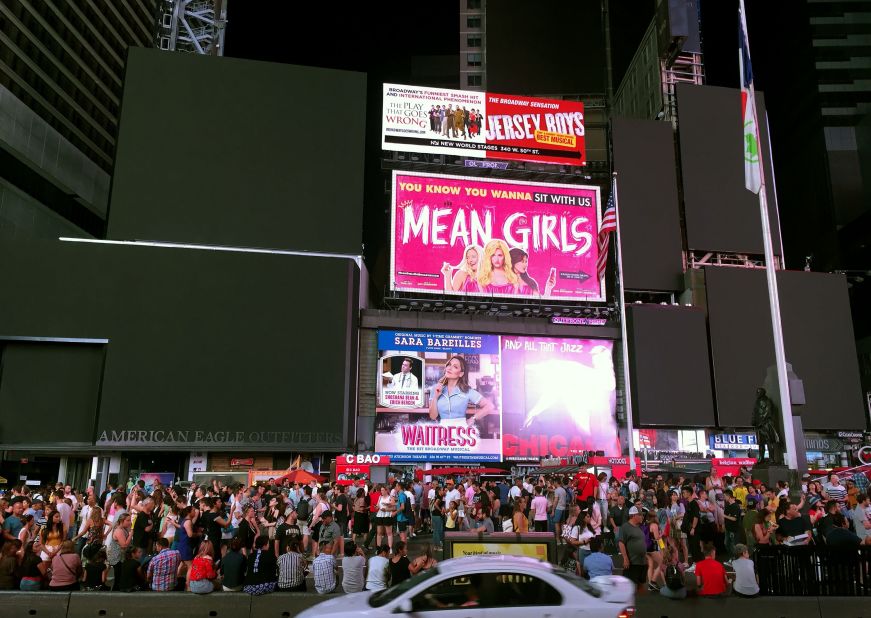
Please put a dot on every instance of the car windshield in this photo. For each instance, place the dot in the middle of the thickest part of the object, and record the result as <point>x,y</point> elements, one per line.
<point>579,582</point>
<point>384,597</point>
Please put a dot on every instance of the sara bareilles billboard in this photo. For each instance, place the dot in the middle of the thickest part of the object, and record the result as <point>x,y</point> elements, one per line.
<point>494,238</point>
<point>467,397</point>
<point>482,124</point>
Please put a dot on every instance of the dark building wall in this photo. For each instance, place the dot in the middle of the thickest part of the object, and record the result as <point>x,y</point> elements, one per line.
<point>650,223</point>
<point>818,338</point>
<point>535,47</point>
<point>670,365</point>
<point>196,340</point>
<point>721,214</point>
<point>242,153</point>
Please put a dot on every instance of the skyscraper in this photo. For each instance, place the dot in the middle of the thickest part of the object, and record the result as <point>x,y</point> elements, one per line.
<point>61,75</point>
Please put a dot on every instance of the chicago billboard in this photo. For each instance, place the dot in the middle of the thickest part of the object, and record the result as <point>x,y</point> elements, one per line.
<point>494,238</point>
<point>482,124</point>
<point>466,397</point>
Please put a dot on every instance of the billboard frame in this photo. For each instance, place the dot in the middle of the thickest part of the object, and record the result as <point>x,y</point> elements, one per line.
<point>600,298</point>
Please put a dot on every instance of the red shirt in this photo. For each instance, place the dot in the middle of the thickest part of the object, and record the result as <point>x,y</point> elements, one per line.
<point>713,576</point>
<point>586,484</point>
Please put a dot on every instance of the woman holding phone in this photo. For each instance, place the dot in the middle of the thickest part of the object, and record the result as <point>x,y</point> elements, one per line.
<point>451,395</point>
<point>528,285</point>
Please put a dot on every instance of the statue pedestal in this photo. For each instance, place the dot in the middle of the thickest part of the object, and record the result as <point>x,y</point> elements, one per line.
<point>770,474</point>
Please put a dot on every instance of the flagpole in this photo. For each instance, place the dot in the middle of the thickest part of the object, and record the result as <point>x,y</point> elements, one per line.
<point>771,277</point>
<point>627,387</point>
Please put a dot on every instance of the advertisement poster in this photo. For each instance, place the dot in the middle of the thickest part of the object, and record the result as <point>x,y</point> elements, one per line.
<point>559,397</point>
<point>352,468</point>
<point>166,479</point>
<point>473,237</point>
<point>409,432</point>
<point>482,125</point>
<point>530,550</point>
<point>536,397</point>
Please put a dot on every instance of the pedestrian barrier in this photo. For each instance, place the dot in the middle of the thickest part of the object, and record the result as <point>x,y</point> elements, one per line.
<point>813,571</point>
<point>286,605</point>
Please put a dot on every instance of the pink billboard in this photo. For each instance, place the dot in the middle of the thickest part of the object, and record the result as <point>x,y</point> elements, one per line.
<point>494,238</point>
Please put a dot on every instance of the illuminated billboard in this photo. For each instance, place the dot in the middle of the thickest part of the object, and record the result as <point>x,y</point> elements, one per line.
<point>482,125</point>
<point>466,397</point>
<point>494,238</point>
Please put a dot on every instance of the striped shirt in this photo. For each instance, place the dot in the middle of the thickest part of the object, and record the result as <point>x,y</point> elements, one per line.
<point>291,570</point>
<point>836,492</point>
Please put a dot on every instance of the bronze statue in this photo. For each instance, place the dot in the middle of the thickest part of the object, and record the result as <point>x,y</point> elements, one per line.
<point>767,429</point>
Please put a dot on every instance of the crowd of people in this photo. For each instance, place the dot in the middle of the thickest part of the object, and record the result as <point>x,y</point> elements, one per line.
<point>658,531</point>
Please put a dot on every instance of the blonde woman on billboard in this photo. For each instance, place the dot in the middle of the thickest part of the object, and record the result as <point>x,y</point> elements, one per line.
<point>466,278</point>
<point>451,395</point>
<point>520,266</point>
<point>495,275</point>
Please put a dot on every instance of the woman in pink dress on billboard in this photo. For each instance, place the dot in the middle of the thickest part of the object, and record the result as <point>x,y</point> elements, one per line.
<point>528,285</point>
<point>496,276</point>
<point>465,280</point>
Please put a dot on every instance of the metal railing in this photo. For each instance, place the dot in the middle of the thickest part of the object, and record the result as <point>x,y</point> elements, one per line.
<point>814,571</point>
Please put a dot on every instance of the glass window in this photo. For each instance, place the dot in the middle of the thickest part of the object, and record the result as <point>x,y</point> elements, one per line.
<point>473,41</point>
<point>473,22</point>
<point>487,590</point>
<point>386,596</point>
<point>473,60</point>
<point>474,80</point>
<point>473,5</point>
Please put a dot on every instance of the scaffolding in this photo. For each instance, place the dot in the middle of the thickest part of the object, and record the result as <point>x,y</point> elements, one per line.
<point>683,68</point>
<point>192,26</point>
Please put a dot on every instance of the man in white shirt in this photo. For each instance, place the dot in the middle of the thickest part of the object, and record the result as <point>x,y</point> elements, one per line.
<point>452,495</point>
<point>405,379</point>
<point>516,490</point>
<point>68,493</point>
<point>528,486</point>
<point>66,512</point>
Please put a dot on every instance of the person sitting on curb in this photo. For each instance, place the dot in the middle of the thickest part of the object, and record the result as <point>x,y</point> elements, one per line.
<point>711,575</point>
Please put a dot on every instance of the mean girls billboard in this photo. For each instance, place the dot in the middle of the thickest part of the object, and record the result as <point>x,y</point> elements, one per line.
<point>467,397</point>
<point>482,125</point>
<point>494,238</point>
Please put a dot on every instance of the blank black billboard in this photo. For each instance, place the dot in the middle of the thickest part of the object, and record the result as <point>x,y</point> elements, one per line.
<point>721,214</point>
<point>240,153</point>
<point>547,47</point>
<point>212,341</point>
<point>818,338</point>
<point>644,160</point>
<point>670,366</point>
<point>49,392</point>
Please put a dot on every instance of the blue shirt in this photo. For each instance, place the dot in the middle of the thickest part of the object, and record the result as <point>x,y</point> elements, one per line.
<point>598,563</point>
<point>455,404</point>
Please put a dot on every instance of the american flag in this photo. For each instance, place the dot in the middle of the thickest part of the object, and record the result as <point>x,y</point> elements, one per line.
<point>609,224</point>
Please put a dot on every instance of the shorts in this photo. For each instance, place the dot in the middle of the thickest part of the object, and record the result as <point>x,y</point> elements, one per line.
<point>636,573</point>
<point>202,586</point>
<point>304,530</point>
<point>559,516</point>
<point>402,525</point>
<point>387,522</point>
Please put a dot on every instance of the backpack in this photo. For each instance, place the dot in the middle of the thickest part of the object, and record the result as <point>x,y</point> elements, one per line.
<point>303,510</point>
<point>407,509</point>
<point>649,543</point>
<point>673,578</point>
<point>624,491</point>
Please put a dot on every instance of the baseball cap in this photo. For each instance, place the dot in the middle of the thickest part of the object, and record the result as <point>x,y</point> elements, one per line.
<point>634,511</point>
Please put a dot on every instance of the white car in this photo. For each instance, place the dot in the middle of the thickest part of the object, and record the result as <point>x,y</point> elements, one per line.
<point>491,587</point>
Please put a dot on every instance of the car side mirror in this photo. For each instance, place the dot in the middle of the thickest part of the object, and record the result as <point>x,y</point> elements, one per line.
<point>405,606</point>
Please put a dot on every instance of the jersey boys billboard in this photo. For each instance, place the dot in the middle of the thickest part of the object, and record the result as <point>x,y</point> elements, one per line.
<point>475,398</point>
<point>486,237</point>
<point>482,124</point>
